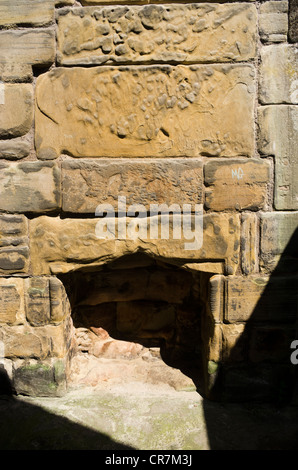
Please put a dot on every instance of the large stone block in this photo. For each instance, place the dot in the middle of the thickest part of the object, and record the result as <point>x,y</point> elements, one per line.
<point>29,187</point>
<point>260,299</point>
<point>279,241</point>
<point>86,184</point>
<point>14,249</point>
<point>236,184</point>
<point>279,74</point>
<point>278,137</point>
<point>273,21</point>
<point>18,12</point>
<point>63,245</point>
<point>24,48</point>
<point>157,33</point>
<point>153,111</point>
<point>16,109</point>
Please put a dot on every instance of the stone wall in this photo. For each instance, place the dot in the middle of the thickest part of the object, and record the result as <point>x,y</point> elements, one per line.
<point>162,103</point>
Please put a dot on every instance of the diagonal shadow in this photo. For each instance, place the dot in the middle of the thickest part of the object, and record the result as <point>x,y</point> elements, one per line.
<point>24,426</point>
<point>266,375</point>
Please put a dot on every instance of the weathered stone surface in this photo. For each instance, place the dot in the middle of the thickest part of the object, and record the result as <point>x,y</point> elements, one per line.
<point>261,299</point>
<point>278,137</point>
<point>216,297</point>
<point>35,12</point>
<point>37,301</point>
<point>157,33</point>
<point>14,249</point>
<point>153,111</point>
<point>293,20</point>
<point>16,109</point>
<point>85,184</point>
<point>249,243</point>
<point>273,21</point>
<point>279,74</point>
<point>21,49</point>
<point>236,184</point>
<point>29,187</point>
<point>12,300</point>
<point>62,245</point>
<point>40,378</point>
<point>279,247</point>
<point>14,149</point>
<point>25,341</point>
<point>59,302</point>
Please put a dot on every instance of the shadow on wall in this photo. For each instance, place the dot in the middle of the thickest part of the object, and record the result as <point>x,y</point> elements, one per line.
<point>24,426</point>
<point>259,367</point>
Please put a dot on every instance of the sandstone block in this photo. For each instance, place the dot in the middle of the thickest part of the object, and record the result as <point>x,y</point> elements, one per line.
<point>278,137</point>
<point>260,298</point>
<point>273,21</point>
<point>85,184</point>
<point>278,248</point>
<point>216,297</point>
<point>29,187</point>
<point>16,109</point>
<point>61,245</point>
<point>154,111</point>
<point>157,33</point>
<point>236,184</point>
<point>37,301</point>
<point>24,48</point>
<point>59,303</point>
<point>14,249</point>
<point>24,341</point>
<point>14,149</point>
<point>18,12</point>
<point>11,300</point>
<point>278,74</point>
<point>249,243</point>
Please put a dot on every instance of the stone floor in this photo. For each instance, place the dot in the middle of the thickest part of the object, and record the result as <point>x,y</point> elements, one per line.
<point>135,416</point>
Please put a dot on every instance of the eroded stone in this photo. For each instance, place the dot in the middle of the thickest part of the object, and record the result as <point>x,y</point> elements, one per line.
<point>157,33</point>
<point>154,111</point>
<point>62,245</point>
<point>86,184</point>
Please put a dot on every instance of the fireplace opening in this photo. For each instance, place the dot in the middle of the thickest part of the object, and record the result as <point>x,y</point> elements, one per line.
<point>137,320</point>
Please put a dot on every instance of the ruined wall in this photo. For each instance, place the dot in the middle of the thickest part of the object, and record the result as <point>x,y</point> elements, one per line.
<point>169,103</point>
